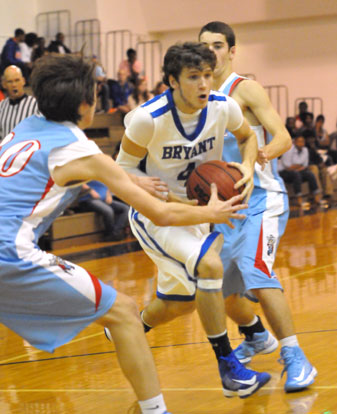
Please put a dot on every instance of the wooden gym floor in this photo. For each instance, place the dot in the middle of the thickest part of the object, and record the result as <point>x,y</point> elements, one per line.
<point>83,376</point>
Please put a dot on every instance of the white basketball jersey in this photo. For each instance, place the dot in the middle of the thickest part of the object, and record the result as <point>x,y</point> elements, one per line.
<point>172,153</point>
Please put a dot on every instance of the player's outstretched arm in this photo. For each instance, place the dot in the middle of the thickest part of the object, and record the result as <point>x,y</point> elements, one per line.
<point>247,143</point>
<point>254,96</point>
<point>102,168</point>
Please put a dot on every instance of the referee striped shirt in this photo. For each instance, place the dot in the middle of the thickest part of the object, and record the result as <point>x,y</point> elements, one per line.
<point>12,112</point>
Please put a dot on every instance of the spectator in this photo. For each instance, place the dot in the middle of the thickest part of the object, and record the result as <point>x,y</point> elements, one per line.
<point>159,88</point>
<point>17,106</point>
<point>131,65</point>
<point>120,90</point>
<point>321,133</point>
<point>102,86</point>
<point>302,107</point>
<point>307,119</point>
<point>11,54</point>
<point>26,48</point>
<point>333,145</point>
<point>58,46</point>
<point>317,165</point>
<point>290,125</point>
<point>140,94</point>
<point>293,168</point>
<point>114,213</point>
<point>40,49</point>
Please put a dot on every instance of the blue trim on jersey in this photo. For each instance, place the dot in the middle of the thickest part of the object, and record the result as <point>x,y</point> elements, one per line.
<point>214,97</point>
<point>206,245</point>
<point>152,100</point>
<point>161,111</point>
<point>178,298</point>
<point>137,220</point>
<point>133,214</point>
<point>201,121</point>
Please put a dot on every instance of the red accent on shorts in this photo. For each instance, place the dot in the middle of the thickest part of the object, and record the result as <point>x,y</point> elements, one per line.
<point>238,80</point>
<point>259,263</point>
<point>49,185</point>
<point>98,289</point>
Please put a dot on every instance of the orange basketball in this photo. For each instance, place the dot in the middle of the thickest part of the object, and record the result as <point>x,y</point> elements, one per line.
<point>225,176</point>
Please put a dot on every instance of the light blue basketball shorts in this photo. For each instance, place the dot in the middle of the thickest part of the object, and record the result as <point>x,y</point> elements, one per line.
<point>49,301</point>
<point>249,250</point>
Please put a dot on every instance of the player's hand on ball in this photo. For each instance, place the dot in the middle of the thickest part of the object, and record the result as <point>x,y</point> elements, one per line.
<point>247,180</point>
<point>155,186</point>
<point>226,210</point>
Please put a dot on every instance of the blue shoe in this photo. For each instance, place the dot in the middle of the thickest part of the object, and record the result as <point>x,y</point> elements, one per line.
<point>300,373</point>
<point>262,343</point>
<point>238,380</point>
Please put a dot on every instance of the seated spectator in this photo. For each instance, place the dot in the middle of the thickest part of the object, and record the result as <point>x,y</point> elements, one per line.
<point>120,90</point>
<point>290,125</point>
<point>102,86</point>
<point>26,48</point>
<point>293,168</point>
<point>322,135</point>
<point>302,107</point>
<point>333,146</point>
<point>307,119</point>
<point>40,49</point>
<point>58,46</point>
<point>11,54</point>
<point>317,165</point>
<point>131,65</point>
<point>17,106</point>
<point>113,212</point>
<point>140,94</point>
<point>159,88</point>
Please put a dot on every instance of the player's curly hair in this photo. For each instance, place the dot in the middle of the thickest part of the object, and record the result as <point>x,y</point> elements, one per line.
<point>186,55</point>
<point>60,84</point>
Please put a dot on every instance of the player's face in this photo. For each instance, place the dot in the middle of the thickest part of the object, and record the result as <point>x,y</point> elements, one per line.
<point>192,90</point>
<point>218,44</point>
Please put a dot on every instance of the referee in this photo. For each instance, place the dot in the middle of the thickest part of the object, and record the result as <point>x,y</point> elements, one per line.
<point>17,106</point>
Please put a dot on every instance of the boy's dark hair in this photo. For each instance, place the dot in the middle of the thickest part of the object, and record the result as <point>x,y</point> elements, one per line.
<point>60,84</point>
<point>186,55</point>
<point>320,118</point>
<point>131,52</point>
<point>220,27</point>
<point>19,32</point>
<point>303,116</point>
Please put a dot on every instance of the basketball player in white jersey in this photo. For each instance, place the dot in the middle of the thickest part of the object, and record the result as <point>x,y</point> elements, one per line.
<point>177,131</point>
<point>43,163</point>
<point>248,260</point>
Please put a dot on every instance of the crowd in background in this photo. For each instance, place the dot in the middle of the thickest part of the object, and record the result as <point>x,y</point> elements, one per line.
<point>312,158</point>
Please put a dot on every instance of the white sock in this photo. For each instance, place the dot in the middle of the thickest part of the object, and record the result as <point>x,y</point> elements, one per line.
<point>154,405</point>
<point>289,341</point>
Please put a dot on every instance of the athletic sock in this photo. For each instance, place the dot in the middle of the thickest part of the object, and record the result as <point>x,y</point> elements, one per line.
<point>253,327</point>
<point>147,327</point>
<point>220,344</point>
<point>289,341</point>
<point>155,405</point>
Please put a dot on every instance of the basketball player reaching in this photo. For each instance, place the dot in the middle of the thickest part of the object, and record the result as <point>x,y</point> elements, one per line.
<point>43,163</point>
<point>177,131</point>
<point>249,271</point>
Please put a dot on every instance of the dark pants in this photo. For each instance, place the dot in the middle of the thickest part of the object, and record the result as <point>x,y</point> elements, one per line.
<point>115,215</point>
<point>103,93</point>
<point>297,177</point>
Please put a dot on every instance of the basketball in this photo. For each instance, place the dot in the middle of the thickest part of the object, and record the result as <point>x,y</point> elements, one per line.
<point>225,176</point>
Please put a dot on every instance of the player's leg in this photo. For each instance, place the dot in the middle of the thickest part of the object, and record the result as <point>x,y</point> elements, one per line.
<point>300,373</point>
<point>236,379</point>
<point>160,311</point>
<point>125,329</point>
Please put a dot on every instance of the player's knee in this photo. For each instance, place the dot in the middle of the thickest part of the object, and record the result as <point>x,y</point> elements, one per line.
<point>123,311</point>
<point>210,266</point>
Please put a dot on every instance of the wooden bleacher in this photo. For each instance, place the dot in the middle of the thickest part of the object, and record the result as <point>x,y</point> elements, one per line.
<point>84,228</point>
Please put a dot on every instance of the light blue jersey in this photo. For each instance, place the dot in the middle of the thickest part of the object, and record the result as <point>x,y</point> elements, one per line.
<point>43,298</point>
<point>249,250</point>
